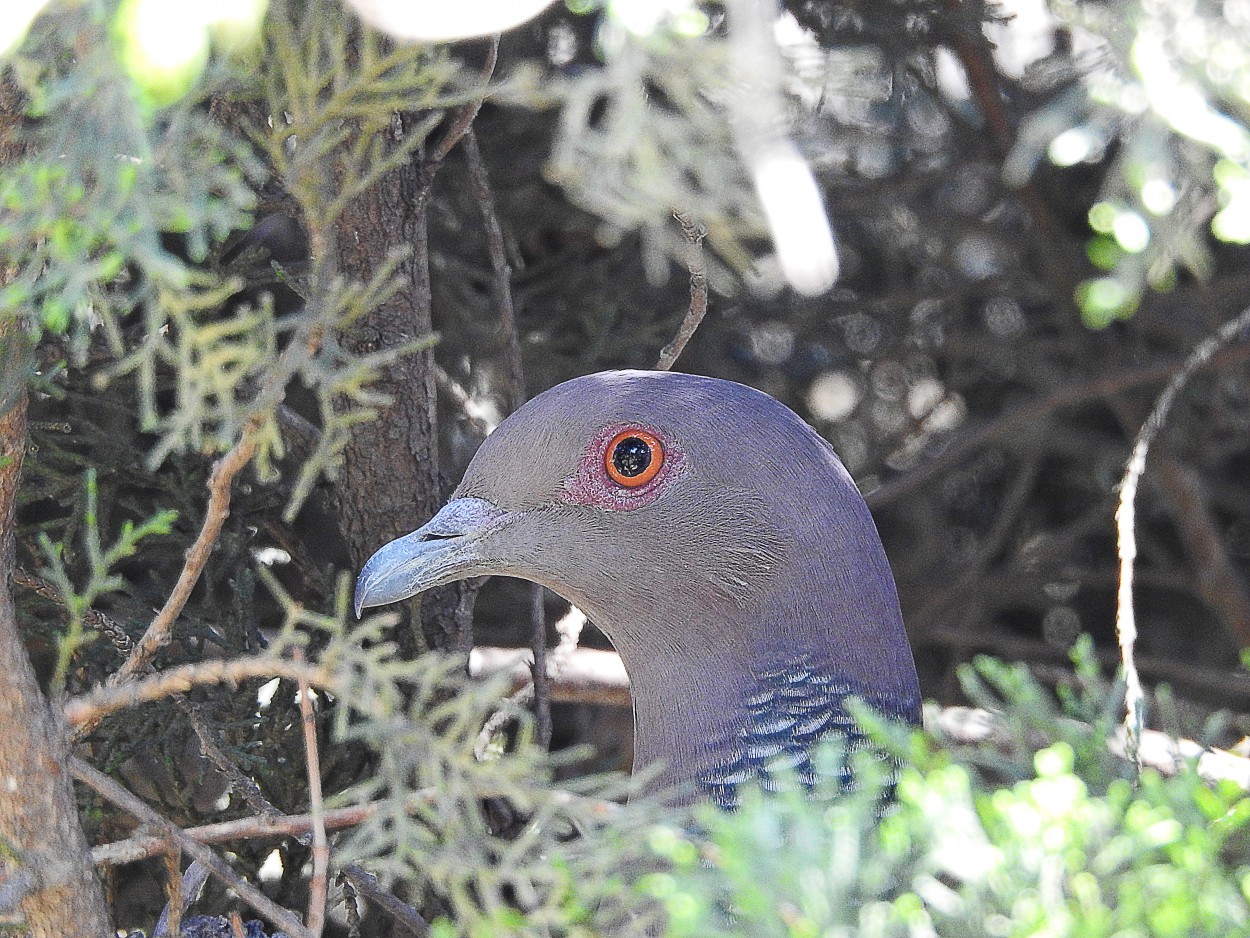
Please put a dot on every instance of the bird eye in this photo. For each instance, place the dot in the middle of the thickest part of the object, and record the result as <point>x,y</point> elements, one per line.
<point>633,458</point>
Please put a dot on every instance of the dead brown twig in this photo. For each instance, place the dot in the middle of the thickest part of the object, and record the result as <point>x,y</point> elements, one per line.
<point>115,794</point>
<point>299,826</point>
<point>95,705</point>
<point>501,272</point>
<point>694,234</point>
<point>220,480</point>
<point>319,887</point>
<point>502,290</point>
<point>463,119</point>
<point>219,483</point>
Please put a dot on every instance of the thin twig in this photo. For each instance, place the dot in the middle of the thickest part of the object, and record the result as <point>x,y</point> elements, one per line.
<point>92,618</point>
<point>114,793</point>
<point>319,887</point>
<point>144,845</point>
<point>189,886</point>
<point>95,705</point>
<point>124,646</point>
<point>589,675</point>
<point>694,234</point>
<point>501,272</point>
<point>404,915</point>
<point>141,846</point>
<point>174,905</point>
<point>1126,534</point>
<point>538,672</point>
<point>270,823</point>
<point>495,660</point>
<point>240,782</point>
<point>302,347</point>
<point>502,290</point>
<point>219,482</point>
<point>1220,584</point>
<point>464,117</point>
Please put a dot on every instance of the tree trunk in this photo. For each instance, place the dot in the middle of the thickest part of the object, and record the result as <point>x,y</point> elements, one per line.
<point>38,815</point>
<point>389,482</point>
<point>39,820</point>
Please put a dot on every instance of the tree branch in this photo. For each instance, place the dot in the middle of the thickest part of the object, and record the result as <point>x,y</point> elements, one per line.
<point>1125,517</point>
<point>219,482</point>
<point>694,233</point>
<point>598,677</point>
<point>114,793</point>
<point>1220,584</point>
<point>88,709</point>
<point>464,117</point>
<point>318,888</point>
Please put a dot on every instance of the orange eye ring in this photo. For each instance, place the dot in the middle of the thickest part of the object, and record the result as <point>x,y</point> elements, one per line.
<point>633,458</point>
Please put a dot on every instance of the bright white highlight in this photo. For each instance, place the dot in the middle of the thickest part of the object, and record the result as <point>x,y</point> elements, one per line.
<point>1232,223</point>
<point>1158,196</point>
<point>445,20</point>
<point>264,695</point>
<point>1070,147</point>
<point>1182,104</point>
<point>16,20</point>
<point>796,219</point>
<point>166,37</point>
<point>643,17</point>
<point>1131,232</point>
<point>271,870</point>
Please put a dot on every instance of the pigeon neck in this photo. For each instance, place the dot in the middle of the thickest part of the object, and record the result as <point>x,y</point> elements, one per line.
<point>746,698</point>
<point>709,726</point>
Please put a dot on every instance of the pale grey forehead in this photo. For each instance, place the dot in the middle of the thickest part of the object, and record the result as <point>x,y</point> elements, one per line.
<point>539,446</point>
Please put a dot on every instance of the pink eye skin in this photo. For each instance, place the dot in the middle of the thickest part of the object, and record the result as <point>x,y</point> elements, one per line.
<point>625,467</point>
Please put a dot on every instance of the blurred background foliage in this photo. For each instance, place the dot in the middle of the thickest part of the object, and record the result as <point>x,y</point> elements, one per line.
<point>1039,208</point>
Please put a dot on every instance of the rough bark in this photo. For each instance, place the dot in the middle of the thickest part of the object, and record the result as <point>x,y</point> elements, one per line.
<point>39,820</point>
<point>38,815</point>
<point>389,483</point>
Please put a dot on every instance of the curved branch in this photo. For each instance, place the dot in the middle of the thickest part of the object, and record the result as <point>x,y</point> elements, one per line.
<point>90,708</point>
<point>1125,519</point>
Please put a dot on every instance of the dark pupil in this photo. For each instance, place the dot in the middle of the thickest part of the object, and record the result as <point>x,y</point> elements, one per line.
<point>631,457</point>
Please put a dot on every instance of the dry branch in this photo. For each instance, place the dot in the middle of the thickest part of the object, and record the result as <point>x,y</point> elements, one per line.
<point>501,280</point>
<point>219,482</point>
<point>90,708</point>
<point>299,826</point>
<point>1125,517</point>
<point>1220,584</point>
<point>694,233</point>
<point>588,675</point>
<point>464,116</point>
<point>319,887</point>
<point>114,793</point>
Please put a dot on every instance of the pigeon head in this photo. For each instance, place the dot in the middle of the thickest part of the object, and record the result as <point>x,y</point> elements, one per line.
<point>714,537</point>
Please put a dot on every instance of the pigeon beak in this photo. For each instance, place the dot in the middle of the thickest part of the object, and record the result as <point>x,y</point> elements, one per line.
<point>441,551</point>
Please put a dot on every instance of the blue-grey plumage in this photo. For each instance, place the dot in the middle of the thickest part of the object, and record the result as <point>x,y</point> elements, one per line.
<point>717,540</point>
